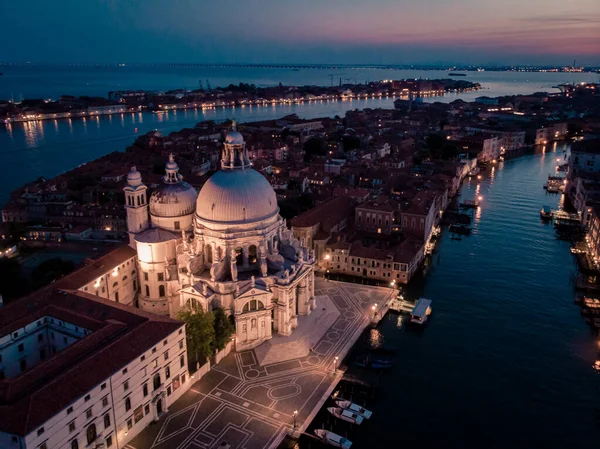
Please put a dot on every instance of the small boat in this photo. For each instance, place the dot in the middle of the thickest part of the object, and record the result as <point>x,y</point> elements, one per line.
<point>347,405</point>
<point>374,364</point>
<point>333,439</point>
<point>421,312</point>
<point>456,74</point>
<point>460,229</point>
<point>546,213</point>
<point>345,415</point>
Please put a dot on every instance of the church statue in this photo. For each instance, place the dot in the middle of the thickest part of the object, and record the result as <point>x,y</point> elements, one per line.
<point>167,272</point>
<point>233,265</point>
<point>252,281</point>
<point>263,261</point>
<point>213,271</point>
<point>205,289</point>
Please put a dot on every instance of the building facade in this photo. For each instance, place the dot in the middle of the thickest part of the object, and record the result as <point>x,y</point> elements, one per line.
<point>79,371</point>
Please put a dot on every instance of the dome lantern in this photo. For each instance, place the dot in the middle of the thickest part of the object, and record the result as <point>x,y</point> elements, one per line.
<point>234,156</point>
<point>172,175</point>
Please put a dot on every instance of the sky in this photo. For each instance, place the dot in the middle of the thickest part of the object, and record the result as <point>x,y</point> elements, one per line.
<point>497,32</point>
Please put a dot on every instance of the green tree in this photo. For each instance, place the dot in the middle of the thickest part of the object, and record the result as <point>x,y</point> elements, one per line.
<point>12,283</point>
<point>200,333</point>
<point>223,329</point>
<point>50,270</point>
<point>314,146</point>
<point>435,143</point>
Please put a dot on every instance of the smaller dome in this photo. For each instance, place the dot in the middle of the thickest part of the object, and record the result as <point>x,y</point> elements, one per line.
<point>234,138</point>
<point>173,200</point>
<point>134,177</point>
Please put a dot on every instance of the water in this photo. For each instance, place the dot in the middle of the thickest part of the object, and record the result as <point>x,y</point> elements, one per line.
<point>48,148</point>
<point>506,359</point>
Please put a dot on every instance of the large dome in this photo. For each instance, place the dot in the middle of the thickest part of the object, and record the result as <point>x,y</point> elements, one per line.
<point>173,200</point>
<point>236,196</point>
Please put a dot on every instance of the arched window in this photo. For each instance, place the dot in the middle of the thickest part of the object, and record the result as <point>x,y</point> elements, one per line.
<point>147,290</point>
<point>116,296</point>
<point>75,444</point>
<point>133,273</point>
<point>127,404</point>
<point>253,304</point>
<point>116,284</point>
<point>161,290</point>
<point>252,255</point>
<point>194,304</point>
<point>91,433</point>
<point>208,253</point>
<point>124,278</point>
<point>239,256</point>
<point>156,381</point>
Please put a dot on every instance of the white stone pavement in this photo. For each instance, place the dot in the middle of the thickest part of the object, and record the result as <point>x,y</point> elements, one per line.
<point>308,333</point>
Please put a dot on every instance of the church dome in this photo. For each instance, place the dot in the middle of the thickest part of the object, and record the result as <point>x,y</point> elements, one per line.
<point>234,138</point>
<point>236,196</point>
<point>134,178</point>
<point>173,200</point>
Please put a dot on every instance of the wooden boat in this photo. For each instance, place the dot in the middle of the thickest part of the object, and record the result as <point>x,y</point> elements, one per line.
<point>345,415</point>
<point>347,405</point>
<point>377,363</point>
<point>546,213</point>
<point>421,312</point>
<point>333,439</point>
<point>460,229</point>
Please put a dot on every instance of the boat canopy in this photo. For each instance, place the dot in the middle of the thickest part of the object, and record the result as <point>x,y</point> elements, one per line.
<point>420,309</point>
<point>547,209</point>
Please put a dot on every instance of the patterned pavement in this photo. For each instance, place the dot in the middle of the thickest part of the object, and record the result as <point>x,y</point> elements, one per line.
<point>250,406</point>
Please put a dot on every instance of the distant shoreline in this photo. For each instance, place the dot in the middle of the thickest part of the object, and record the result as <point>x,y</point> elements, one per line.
<point>471,68</point>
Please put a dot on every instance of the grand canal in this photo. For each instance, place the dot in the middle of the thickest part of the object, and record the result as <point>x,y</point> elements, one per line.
<point>506,360</point>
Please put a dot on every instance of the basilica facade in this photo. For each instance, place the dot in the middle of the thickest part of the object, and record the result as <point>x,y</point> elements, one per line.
<point>226,246</point>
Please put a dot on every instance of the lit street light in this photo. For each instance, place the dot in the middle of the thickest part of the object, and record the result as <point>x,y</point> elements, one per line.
<point>295,414</point>
<point>335,361</point>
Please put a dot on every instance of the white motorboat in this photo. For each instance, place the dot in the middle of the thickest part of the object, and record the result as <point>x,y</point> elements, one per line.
<point>347,405</point>
<point>346,415</point>
<point>333,439</point>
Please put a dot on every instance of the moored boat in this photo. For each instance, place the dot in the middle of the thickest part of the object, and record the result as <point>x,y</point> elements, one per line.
<point>333,439</point>
<point>546,213</point>
<point>345,415</point>
<point>348,405</point>
<point>421,312</point>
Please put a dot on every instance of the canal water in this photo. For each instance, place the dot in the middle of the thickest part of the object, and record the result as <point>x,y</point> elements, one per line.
<point>506,359</point>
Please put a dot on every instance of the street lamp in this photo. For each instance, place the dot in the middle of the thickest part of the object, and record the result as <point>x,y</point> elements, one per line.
<point>295,414</point>
<point>335,361</point>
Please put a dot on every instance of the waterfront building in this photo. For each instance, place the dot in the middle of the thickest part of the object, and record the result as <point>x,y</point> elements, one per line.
<point>80,371</point>
<point>550,132</point>
<point>224,247</point>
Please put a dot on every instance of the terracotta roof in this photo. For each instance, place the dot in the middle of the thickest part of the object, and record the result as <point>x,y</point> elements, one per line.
<point>328,214</point>
<point>119,335</point>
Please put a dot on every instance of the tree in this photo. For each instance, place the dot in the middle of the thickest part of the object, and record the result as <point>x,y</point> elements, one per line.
<point>314,146</point>
<point>200,335</point>
<point>223,329</point>
<point>435,143</point>
<point>50,270</point>
<point>12,283</point>
<point>449,151</point>
<point>350,143</point>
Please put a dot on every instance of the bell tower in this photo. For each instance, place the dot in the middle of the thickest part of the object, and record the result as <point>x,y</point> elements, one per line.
<point>136,205</point>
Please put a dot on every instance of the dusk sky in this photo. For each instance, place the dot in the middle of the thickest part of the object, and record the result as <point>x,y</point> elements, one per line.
<point>302,31</point>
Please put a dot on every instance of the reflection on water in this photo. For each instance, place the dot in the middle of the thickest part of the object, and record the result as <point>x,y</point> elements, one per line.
<point>375,339</point>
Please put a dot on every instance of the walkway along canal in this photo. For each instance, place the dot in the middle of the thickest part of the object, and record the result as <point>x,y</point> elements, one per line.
<point>506,358</point>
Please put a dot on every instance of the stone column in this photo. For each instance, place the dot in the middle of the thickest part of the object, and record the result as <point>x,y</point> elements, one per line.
<point>303,304</point>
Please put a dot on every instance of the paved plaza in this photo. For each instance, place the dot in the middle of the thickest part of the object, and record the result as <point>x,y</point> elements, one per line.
<point>251,405</point>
